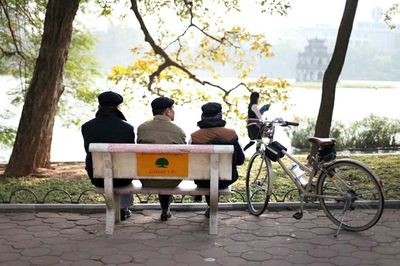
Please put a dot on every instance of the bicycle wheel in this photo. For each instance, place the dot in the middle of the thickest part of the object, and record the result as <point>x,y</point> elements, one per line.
<point>258,183</point>
<point>351,195</point>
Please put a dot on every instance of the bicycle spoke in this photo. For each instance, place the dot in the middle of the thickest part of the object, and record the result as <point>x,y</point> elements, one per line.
<point>353,189</point>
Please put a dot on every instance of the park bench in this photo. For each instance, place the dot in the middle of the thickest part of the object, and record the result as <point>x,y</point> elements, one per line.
<point>161,161</point>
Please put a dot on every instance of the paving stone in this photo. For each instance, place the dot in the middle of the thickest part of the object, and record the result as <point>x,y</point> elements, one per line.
<point>275,262</point>
<point>38,228</point>
<point>214,252</point>
<point>34,252</point>
<point>75,255</point>
<point>116,259</point>
<point>188,257</point>
<point>279,251</point>
<point>30,222</point>
<point>239,248</point>
<point>365,255</point>
<point>45,260</point>
<point>33,243</point>
<point>255,255</point>
<point>46,234</point>
<point>343,248</point>
<point>9,256</point>
<point>144,255</point>
<point>243,237</point>
<point>16,263</point>
<point>300,258</point>
<point>54,220</point>
<point>20,237</point>
<point>363,243</point>
<point>386,249</point>
<point>322,253</point>
<point>168,232</point>
<point>345,260</point>
<point>87,222</point>
<point>144,236</point>
<point>161,262</point>
<point>64,225</point>
<point>23,217</point>
<point>103,251</point>
<point>88,263</point>
<point>230,261</point>
<point>5,226</point>
<point>48,215</point>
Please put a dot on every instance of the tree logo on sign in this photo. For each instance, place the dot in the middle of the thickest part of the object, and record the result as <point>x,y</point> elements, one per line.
<point>162,162</point>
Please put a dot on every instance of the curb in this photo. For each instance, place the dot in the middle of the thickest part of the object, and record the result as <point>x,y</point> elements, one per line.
<point>100,208</point>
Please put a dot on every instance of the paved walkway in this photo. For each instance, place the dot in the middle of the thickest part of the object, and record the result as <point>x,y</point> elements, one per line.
<point>272,239</point>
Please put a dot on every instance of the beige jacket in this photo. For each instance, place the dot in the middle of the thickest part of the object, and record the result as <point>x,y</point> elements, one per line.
<point>160,130</point>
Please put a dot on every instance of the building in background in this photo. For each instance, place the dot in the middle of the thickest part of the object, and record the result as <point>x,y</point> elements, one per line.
<point>313,61</point>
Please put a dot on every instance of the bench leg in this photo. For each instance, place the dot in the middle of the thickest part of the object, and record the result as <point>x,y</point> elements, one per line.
<point>213,230</point>
<point>110,216</point>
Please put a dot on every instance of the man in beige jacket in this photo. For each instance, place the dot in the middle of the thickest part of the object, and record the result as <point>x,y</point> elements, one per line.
<point>161,130</point>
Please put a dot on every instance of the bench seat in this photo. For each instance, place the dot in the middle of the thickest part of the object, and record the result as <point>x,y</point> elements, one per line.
<point>186,187</point>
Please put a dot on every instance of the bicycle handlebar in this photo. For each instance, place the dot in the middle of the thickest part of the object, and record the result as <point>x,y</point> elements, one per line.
<point>281,122</point>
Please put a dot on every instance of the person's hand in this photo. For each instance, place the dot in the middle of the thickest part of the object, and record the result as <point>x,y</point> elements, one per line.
<point>264,108</point>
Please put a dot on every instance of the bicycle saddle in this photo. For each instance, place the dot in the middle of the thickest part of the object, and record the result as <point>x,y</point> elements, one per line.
<point>322,141</point>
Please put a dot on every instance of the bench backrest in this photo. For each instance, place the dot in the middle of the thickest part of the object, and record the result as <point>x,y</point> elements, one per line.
<point>161,161</point>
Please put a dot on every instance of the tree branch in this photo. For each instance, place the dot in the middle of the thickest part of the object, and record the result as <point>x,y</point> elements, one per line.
<point>15,42</point>
<point>168,62</point>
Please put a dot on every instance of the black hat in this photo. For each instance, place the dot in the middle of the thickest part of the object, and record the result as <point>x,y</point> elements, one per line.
<point>109,98</point>
<point>211,109</point>
<point>160,103</point>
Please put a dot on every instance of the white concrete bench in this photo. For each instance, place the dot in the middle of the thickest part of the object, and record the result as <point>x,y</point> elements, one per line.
<point>161,161</point>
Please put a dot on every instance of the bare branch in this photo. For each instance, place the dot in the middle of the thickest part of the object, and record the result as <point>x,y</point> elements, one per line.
<point>15,41</point>
<point>168,62</point>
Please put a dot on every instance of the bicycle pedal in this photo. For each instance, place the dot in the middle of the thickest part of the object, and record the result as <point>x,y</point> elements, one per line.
<point>298,215</point>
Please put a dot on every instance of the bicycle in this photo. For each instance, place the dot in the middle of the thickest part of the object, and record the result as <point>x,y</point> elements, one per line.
<point>349,193</point>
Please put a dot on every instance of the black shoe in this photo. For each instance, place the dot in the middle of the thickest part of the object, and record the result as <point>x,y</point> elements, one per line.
<point>165,215</point>
<point>125,214</point>
<point>207,213</point>
<point>197,198</point>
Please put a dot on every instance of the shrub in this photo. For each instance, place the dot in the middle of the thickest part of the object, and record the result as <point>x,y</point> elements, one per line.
<point>371,132</point>
<point>298,136</point>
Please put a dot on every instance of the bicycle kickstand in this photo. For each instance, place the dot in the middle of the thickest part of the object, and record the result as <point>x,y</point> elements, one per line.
<point>346,205</point>
<point>299,214</point>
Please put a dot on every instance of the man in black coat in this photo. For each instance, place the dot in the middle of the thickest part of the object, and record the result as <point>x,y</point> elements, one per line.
<point>109,126</point>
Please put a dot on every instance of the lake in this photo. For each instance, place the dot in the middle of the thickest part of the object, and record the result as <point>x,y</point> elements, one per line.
<point>350,104</point>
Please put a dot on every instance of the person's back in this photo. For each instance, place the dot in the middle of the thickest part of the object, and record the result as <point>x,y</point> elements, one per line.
<point>109,126</point>
<point>212,131</point>
<point>161,130</point>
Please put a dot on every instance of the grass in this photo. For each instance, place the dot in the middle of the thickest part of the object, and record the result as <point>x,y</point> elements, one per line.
<point>72,190</point>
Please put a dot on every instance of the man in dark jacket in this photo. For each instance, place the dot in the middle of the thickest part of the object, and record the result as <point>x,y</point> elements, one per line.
<point>109,126</point>
<point>212,131</point>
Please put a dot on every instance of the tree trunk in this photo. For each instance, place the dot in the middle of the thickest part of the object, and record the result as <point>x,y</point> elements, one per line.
<point>332,73</point>
<point>33,141</point>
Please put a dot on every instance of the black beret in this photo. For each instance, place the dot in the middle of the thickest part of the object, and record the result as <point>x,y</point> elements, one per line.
<point>211,109</point>
<point>161,103</point>
<point>109,98</point>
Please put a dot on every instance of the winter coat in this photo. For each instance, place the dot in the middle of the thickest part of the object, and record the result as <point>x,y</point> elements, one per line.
<point>109,126</point>
<point>213,131</point>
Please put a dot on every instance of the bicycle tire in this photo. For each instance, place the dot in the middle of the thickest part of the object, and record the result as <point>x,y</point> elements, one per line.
<point>258,183</point>
<point>352,195</point>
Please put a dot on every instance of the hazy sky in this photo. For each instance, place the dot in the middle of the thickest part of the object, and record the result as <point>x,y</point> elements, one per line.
<point>302,13</point>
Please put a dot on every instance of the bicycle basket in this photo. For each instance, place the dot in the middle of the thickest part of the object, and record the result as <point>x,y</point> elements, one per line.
<point>327,153</point>
<point>274,151</point>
